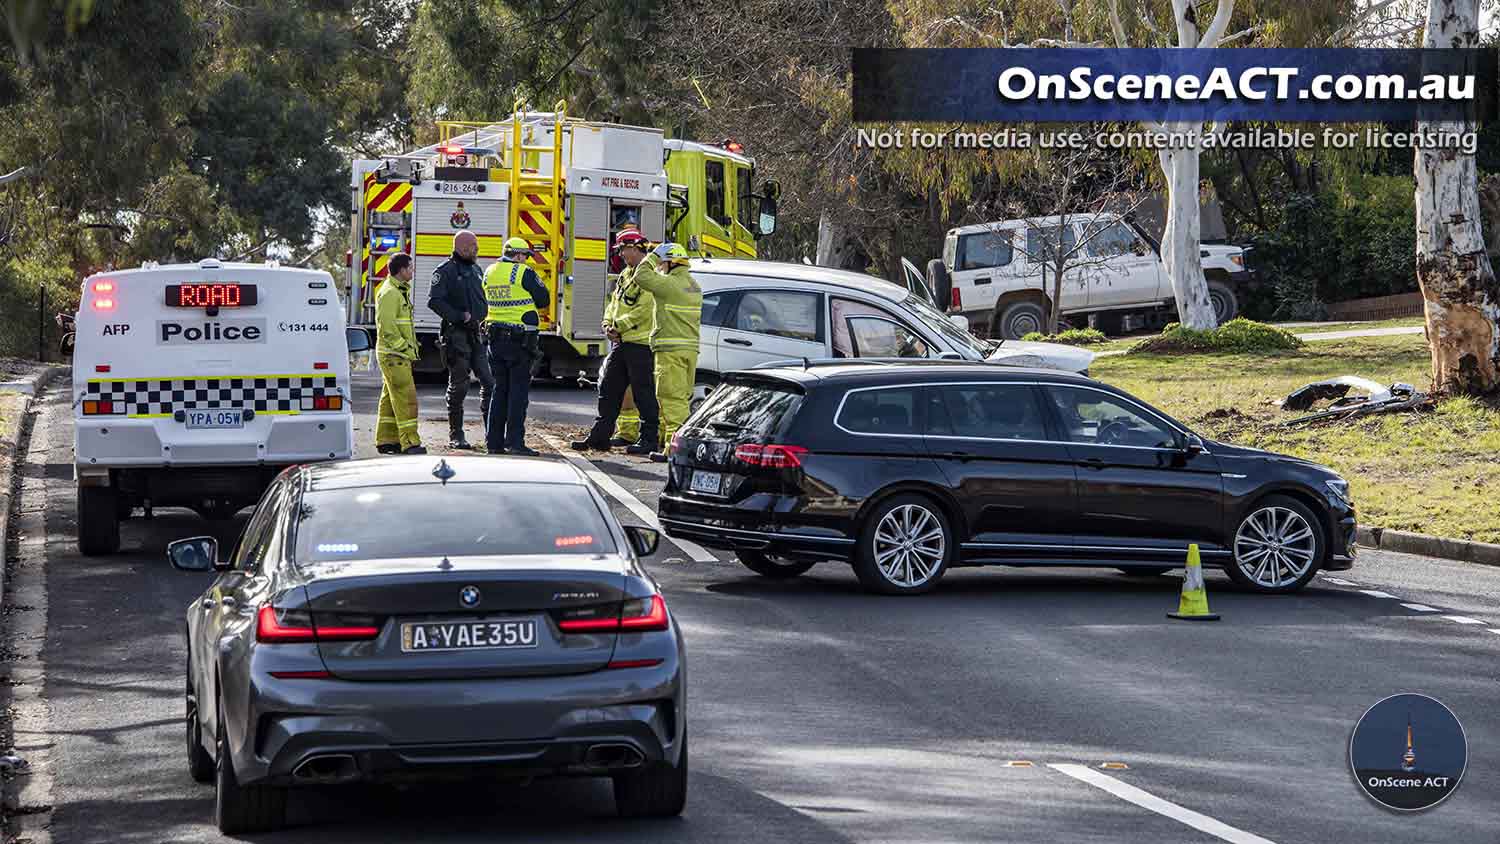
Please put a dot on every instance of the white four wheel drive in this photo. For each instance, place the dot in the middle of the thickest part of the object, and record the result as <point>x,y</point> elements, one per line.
<point>1116,277</point>
<point>195,384</point>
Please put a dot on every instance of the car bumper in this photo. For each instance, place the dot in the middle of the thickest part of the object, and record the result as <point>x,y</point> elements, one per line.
<point>399,731</point>
<point>732,528</point>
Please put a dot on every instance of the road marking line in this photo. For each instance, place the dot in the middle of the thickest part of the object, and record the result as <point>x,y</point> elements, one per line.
<point>1149,801</point>
<point>1340,581</point>
<point>1376,593</point>
<point>1463,619</point>
<point>1420,607</point>
<point>633,504</point>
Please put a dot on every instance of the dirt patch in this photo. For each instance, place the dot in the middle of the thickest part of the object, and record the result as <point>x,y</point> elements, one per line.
<point>14,369</point>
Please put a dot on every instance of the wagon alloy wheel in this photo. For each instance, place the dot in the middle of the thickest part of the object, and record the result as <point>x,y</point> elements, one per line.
<point>1275,546</point>
<point>909,545</point>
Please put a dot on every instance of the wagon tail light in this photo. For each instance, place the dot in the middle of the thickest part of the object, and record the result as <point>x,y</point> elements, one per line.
<point>636,616</point>
<point>955,299</point>
<point>770,456</point>
<point>279,626</point>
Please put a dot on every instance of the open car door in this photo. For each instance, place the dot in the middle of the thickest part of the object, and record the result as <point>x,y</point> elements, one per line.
<point>917,283</point>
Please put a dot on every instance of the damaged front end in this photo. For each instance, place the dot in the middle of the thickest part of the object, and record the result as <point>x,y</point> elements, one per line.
<point>1374,398</point>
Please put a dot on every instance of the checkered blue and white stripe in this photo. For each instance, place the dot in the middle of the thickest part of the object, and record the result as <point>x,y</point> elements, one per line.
<point>163,397</point>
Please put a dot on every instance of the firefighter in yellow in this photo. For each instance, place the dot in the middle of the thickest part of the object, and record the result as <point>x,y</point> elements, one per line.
<point>629,317</point>
<point>679,310</point>
<point>396,347</point>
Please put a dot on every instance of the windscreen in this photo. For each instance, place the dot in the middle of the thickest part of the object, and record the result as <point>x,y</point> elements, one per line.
<point>456,520</point>
<point>967,343</point>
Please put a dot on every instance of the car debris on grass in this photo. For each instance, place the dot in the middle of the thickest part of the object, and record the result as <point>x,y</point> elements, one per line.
<point>1375,399</point>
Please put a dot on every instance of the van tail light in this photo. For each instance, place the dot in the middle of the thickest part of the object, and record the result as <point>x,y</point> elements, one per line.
<point>278,626</point>
<point>955,299</point>
<point>637,616</point>
<point>104,285</point>
<point>104,303</point>
<point>770,456</point>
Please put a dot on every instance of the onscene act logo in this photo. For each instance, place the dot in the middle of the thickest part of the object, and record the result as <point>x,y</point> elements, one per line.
<point>1408,752</point>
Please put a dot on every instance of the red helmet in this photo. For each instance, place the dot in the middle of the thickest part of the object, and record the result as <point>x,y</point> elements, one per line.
<point>630,237</point>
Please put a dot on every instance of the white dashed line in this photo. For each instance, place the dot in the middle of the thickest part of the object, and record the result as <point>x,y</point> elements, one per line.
<point>1339,581</point>
<point>1149,801</point>
<point>1462,619</point>
<point>1376,593</point>
<point>1420,607</point>
<point>633,504</point>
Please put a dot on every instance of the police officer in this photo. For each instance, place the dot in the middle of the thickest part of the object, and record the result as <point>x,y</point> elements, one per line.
<point>678,302</point>
<point>395,348</point>
<point>457,296</point>
<point>629,318</point>
<point>513,296</point>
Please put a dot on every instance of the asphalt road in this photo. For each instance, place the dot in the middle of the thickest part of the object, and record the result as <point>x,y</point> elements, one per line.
<point>819,713</point>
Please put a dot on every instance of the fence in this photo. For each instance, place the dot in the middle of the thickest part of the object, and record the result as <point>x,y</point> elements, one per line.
<point>1376,307</point>
<point>27,328</point>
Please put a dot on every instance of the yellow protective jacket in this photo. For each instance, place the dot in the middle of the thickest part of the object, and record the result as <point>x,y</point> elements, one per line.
<point>393,329</point>
<point>631,309</point>
<point>678,304</point>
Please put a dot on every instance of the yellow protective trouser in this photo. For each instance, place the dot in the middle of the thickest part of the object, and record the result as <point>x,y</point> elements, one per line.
<point>675,369</point>
<point>397,420</point>
<point>628,423</point>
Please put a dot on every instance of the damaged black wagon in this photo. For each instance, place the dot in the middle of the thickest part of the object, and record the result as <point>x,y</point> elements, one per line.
<point>907,469</point>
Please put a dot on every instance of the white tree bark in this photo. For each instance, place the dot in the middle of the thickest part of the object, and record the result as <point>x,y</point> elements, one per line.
<point>1180,254</point>
<point>833,240</point>
<point>1458,282</point>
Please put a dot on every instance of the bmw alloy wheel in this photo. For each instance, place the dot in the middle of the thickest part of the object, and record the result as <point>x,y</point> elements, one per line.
<point>1274,547</point>
<point>909,545</point>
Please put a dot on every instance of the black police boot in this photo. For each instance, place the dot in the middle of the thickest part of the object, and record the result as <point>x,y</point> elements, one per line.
<point>616,442</point>
<point>639,448</point>
<point>460,444</point>
<point>523,451</point>
<point>416,449</point>
<point>586,445</point>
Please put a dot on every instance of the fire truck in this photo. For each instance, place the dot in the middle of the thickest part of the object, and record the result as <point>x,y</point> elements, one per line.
<point>565,185</point>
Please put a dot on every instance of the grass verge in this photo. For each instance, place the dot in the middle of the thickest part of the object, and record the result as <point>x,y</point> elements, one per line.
<point>1434,473</point>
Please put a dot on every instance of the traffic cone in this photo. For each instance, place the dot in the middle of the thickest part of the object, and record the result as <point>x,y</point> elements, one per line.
<point>1194,603</point>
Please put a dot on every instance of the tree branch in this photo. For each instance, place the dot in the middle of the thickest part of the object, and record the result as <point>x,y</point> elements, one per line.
<point>1247,31</point>
<point>1218,25</point>
<point>1115,24</point>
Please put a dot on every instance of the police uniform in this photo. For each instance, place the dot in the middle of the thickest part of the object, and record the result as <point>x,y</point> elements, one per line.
<point>513,296</point>
<point>395,348</point>
<point>457,287</point>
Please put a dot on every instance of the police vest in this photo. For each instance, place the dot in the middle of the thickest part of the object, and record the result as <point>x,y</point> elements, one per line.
<point>507,298</point>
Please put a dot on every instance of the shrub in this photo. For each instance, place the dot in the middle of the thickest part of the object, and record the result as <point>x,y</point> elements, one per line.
<point>1236,335</point>
<point>1070,337</point>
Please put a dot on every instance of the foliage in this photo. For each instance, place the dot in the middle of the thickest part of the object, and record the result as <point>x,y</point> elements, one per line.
<point>1071,337</point>
<point>1236,335</point>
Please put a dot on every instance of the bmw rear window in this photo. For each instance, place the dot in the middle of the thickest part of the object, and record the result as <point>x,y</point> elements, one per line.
<point>749,411</point>
<point>453,520</point>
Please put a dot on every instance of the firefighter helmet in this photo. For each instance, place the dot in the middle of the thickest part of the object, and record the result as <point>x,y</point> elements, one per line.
<point>676,252</point>
<point>630,237</point>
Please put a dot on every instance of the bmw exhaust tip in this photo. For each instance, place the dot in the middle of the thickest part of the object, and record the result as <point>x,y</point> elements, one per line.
<point>328,768</point>
<point>612,756</point>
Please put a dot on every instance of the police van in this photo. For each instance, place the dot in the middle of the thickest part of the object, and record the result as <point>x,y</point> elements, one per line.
<point>195,384</point>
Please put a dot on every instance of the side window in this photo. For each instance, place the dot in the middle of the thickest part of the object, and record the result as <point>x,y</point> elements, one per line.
<point>257,535</point>
<point>1043,243</point>
<point>715,196</point>
<point>885,411</point>
<point>713,304</point>
<point>983,250</point>
<point>987,411</point>
<point>779,313</point>
<point>874,337</point>
<point>1097,418</point>
<point>744,177</point>
<point>1116,239</point>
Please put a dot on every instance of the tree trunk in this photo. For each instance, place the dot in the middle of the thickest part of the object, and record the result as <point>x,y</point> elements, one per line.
<point>1180,254</point>
<point>1458,282</point>
<point>832,242</point>
<point>1055,323</point>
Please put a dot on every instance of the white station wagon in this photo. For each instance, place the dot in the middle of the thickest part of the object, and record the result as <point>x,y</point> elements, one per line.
<point>755,312</point>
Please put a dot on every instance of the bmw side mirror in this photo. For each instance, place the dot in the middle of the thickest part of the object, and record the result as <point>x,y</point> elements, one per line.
<point>1192,445</point>
<point>358,339</point>
<point>643,540</point>
<point>201,553</point>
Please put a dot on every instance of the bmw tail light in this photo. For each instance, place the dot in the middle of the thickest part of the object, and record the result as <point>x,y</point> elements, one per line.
<point>955,299</point>
<point>770,456</point>
<point>637,616</point>
<point>278,626</point>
